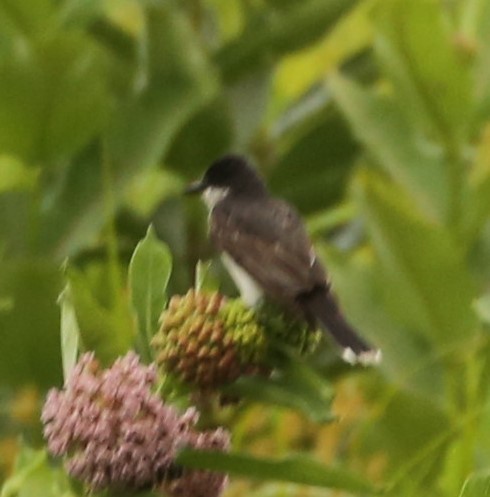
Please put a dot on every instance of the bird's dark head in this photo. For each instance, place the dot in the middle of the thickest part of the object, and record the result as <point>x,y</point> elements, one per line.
<point>229,174</point>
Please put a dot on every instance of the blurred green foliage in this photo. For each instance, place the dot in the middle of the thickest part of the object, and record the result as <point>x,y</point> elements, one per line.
<point>372,116</point>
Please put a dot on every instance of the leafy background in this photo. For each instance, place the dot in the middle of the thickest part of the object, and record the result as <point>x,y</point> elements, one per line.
<point>373,117</point>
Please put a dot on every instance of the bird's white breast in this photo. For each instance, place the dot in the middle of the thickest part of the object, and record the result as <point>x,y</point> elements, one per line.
<point>250,291</point>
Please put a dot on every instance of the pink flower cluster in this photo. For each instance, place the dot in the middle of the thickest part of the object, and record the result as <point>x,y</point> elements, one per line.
<point>200,483</point>
<point>115,433</point>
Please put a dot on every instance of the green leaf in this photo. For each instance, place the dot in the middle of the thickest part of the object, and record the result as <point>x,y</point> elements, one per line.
<point>210,131</point>
<point>477,485</point>
<point>248,103</point>
<point>295,469</point>
<point>421,259</point>
<point>102,330</point>
<point>28,461</point>
<point>395,146</point>
<point>149,273</point>
<point>34,475</point>
<point>150,189</point>
<point>80,103</point>
<point>294,385</point>
<point>318,152</point>
<point>173,85</point>
<point>411,430</point>
<point>381,308</point>
<point>179,83</point>
<point>204,279</point>
<point>432,79</point>
<point>70,332</point>
<point>272,33</point>
<point>328,220</point>
<point>70,104</point>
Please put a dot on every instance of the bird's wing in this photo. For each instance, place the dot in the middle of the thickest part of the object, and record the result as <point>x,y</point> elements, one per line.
<point>269,241</point>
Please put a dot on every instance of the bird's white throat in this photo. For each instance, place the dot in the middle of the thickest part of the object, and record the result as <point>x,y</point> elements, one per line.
<point>214,194</point>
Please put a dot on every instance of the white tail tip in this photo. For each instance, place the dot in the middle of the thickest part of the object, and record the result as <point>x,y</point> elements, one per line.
<point>366,358</point>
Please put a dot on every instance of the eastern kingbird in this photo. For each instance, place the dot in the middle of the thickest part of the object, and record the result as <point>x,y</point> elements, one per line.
<point>267,252</point>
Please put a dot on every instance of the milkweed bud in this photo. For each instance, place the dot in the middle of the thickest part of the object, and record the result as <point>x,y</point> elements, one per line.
<point>207,341</point>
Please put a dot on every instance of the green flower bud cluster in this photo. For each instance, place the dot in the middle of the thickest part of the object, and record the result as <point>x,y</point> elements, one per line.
<point>206,341</point>
<point>248,333</point>
<point>288,330</point>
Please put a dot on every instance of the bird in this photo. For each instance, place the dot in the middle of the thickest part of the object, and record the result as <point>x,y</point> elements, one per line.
<point>266,250</point>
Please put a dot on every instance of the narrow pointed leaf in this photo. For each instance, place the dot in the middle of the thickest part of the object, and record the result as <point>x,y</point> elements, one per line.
<point>35,475</point>
<point>294,469</point>
<point>422,258</point>
<point>391,142</point>
<point>477,485</point>
<point>272,34</point>
<point>149,272</point>
<point>27,462</point>
<point>70,332</point>
<point>102,330</point>
<point>417,48</point>
<point>204,279</point>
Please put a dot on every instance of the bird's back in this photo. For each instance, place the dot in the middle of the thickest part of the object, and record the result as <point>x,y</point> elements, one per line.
<point>268,239</point>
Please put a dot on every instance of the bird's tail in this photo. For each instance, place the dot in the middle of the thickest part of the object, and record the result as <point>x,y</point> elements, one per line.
<point>320,307</point>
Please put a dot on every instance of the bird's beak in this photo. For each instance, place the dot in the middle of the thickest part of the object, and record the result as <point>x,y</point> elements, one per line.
<point>195,187</point>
